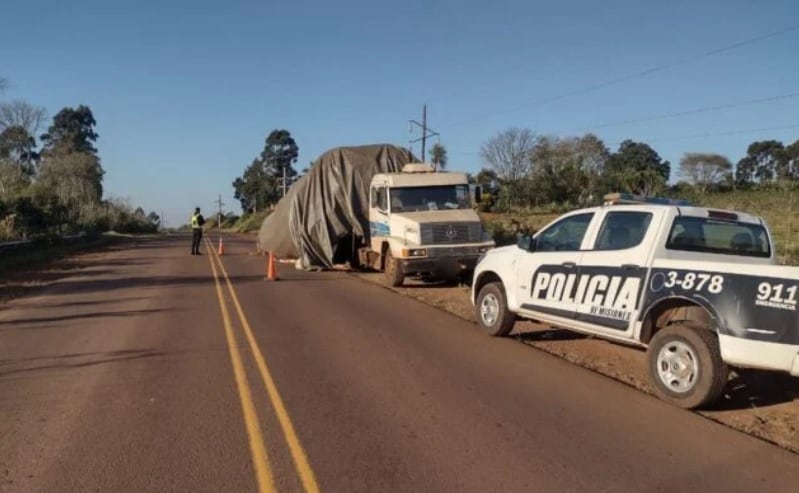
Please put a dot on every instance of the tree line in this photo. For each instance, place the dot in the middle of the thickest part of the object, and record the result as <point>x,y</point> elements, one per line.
<point>52,183</point>
<point>521,169</point>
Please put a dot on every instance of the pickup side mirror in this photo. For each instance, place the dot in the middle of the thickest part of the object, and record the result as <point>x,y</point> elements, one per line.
<point>526,243</point>
<point>478,194</point>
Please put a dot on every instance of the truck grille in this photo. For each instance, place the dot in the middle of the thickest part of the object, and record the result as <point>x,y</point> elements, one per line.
<point>452,252</point>
<point>443,233</point>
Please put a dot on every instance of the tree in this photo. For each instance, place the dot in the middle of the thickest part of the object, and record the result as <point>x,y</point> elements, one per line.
<point>438,156</point>
<point>568,169</point>
<point>262,181</point>
<point>18,144</point>
<point>252,189</point>
<point>704,170</point>
<point>279,155</point>
<point>636,168</point>
<point>75,178</point>
<point>487,179</point>
<point>154,219</point>
<point>508,153</point>
<point>764,162</point>
<point>16,161</point>
<point>22,114</point>
<point>72,129</point>
<point>791,157</point>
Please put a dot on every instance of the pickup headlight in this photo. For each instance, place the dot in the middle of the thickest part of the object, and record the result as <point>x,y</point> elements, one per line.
<point>414,252</point>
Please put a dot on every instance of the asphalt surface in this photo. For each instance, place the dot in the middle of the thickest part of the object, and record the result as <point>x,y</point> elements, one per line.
<point>132,375</point>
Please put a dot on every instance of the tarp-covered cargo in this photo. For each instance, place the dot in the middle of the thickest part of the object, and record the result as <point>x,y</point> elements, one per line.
<point>329,205</point>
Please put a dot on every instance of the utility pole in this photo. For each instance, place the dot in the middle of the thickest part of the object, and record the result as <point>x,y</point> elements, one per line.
<point>426,132</point>
<point>284,181</point>
<point>220,204</point>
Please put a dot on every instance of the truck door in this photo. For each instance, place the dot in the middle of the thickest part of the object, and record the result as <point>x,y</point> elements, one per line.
<point>378,217</point>
<point>614,270</point>
<point>547,274</point>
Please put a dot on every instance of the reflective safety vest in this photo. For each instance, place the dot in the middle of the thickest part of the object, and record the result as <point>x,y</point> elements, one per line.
<point>195,221</point>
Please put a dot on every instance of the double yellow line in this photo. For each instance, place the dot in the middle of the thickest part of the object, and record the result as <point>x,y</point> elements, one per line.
<point>263,470</point>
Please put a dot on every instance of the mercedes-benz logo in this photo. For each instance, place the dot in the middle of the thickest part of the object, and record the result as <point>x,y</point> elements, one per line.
<point>451,233</point>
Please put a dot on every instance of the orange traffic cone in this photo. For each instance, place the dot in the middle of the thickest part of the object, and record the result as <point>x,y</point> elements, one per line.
<point>271,272</point>
<point>221,246</point>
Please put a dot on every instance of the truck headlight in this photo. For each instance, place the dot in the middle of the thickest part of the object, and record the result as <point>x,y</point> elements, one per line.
<point>414,252</point>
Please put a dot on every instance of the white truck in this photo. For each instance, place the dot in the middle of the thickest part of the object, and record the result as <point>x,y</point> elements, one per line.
<point>422,222</point>
<point>700,288</point>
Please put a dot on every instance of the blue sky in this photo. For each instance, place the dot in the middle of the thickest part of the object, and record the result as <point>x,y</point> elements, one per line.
<point>185,92</point>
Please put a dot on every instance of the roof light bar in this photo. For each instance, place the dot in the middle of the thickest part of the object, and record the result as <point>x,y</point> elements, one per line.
<point>628,198</point>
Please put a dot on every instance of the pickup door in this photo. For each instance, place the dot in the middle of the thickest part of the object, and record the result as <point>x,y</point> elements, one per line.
<point>543,274</point>
<point>614,270</point>
<point>588,270</point>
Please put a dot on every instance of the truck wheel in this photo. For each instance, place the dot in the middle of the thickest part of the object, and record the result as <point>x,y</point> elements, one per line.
<point>492,314</point>
<point>393,271</point>
<point>685,366</point>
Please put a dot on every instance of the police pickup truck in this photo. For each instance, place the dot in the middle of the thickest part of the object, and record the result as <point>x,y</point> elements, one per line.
<point>700,288</point>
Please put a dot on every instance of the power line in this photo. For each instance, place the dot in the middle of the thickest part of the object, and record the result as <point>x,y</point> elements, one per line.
<point>683,137</point>
<point>695,111</point>
<point>634,75</point>
<point>719,134</point>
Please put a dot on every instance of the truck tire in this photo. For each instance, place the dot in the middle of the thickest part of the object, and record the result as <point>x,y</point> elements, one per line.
<point>393,271</point>
<point>492,311</point>
<point>685,366</point>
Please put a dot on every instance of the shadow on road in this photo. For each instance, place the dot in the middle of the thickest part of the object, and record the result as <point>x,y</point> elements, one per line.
<point>81,360</point>
<point>85,303</point>
<point>26,322</point>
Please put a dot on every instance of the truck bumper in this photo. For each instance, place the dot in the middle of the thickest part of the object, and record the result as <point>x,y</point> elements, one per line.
<point>748,353</point>
<point>445,267</point>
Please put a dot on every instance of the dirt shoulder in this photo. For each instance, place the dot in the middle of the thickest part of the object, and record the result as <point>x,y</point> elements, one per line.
<point>763,404</point>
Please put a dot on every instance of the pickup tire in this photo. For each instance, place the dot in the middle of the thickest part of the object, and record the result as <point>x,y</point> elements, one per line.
<point>393,271</point>
<point>492,311</point>
<point>685,366</point>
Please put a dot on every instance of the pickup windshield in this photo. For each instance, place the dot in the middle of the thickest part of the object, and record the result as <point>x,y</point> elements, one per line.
<point>697,234</point>
<point>412,199</point>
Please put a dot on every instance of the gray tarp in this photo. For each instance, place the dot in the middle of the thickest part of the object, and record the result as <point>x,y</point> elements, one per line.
<point>330,202</point>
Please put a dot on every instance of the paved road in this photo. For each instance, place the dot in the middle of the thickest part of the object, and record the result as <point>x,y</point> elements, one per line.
<point>132,375</point>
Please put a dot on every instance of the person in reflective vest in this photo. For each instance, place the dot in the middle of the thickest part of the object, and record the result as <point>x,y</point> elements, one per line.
<point>197,221</point>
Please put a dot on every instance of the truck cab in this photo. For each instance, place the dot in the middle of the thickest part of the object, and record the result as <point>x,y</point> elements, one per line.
<point>422,222</point>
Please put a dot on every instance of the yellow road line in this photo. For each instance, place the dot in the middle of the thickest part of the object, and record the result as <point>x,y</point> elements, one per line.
<point>260,459</point>
<point>297,452</point>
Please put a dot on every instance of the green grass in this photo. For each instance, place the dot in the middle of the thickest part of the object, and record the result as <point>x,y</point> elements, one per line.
<point>250,223</point>
<point>778,208</point>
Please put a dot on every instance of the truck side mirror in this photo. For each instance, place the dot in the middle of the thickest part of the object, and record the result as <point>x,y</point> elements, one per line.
<point>526,243</point>
<point>478,194</point>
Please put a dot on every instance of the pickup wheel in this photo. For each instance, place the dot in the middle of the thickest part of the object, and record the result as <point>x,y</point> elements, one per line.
<point>685,366</point>
<point>492,314</point>
<point>393,271</point>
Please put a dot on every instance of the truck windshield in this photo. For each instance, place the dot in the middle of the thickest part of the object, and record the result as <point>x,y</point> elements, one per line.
<point>412,199</point>
<point>698,234</point>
